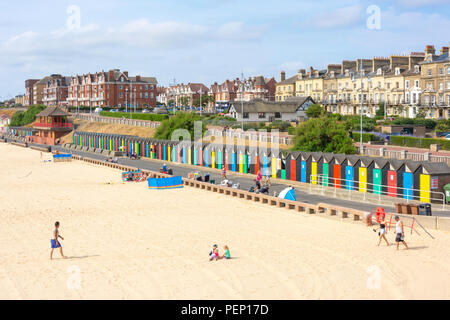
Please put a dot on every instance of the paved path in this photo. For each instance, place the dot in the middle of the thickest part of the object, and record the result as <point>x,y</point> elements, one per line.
<point>245,182</point>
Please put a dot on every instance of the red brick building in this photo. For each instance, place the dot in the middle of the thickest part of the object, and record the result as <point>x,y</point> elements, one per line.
<point>56,90</point>
<point>112,89</point>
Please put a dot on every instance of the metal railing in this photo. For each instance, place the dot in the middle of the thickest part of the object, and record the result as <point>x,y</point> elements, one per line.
<point>353,187</point>
<point>252,136</point>
<point>53,125</point>
<point>405,155</point>
<point>112,120</point>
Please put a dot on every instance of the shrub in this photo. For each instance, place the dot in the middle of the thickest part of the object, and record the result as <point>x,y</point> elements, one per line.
<point>180,121</point>
<point>419,142</point>
<point>366,137</point>
<point>20,119</point>
<point>135,116</point>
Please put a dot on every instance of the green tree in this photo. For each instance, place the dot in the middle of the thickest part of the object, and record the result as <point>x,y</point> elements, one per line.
<point>315,111</point>
<point>182,120</point>
<point>205,100</point>
<point>20,119</point>
<point>323,135</point>
<point>380,112</point>
<point>184,101</point>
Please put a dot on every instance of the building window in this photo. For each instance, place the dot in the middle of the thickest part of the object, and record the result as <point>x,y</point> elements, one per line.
<point>261,115</point>
<point>448,70</point>
<point>416,83</point>
<point>407,84</point>
<point>245,115</point>
<point>277,115</point>
<point>429,72</point>
<point>441,71</point>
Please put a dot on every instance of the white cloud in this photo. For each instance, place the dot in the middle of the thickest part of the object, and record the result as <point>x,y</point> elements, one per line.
<point>420,3</point>
<point>341,17</point>
<point>67,45</point>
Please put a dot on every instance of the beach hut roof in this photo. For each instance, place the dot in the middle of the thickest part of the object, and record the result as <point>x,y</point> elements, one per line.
<point>396,164</point>
<point>353,160</point>
<point>436,168</point>
<point>305,155</point>
<point>328,156</point>
<point>295,154</point>
<point>381,162</point>
<point>413,165</point>
<point>317,156</point>
<point>367,161</point>
<point>340,157</point>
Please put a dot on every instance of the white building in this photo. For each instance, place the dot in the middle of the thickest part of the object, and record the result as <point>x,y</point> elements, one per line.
<point>293,109</point>
<point>4,122</point>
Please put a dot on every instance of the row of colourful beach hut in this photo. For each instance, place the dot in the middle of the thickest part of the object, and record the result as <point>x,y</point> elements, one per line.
<point>396,178</point>
<point>21,131</point>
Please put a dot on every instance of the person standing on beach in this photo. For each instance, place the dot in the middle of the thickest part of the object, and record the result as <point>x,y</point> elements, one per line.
<point>400,232</point>
<point>382,232</point>
<point>55,241</point>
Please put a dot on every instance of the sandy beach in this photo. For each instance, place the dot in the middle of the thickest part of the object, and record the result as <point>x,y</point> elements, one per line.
<point>127,242</point>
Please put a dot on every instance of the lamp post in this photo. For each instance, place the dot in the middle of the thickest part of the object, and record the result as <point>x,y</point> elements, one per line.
<point>361,107</point>
<point>361,111</point>
<point>242,102</point>
<point>126,101</point>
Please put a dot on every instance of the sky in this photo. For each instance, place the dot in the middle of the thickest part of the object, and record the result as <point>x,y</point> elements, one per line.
<point>207,40</point>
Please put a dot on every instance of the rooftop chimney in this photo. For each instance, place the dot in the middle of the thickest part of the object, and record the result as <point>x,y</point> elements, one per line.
<point>430,50</point>
<point>397,61</point>
<point>414,59</point>
<point>283,76</point>
<point>444,50</point>
<point>378,62</point>
<point>346,64</point>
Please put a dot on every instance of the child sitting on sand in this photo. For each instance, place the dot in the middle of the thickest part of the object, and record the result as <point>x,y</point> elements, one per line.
<point>227,254</point>
<point>214,253</point>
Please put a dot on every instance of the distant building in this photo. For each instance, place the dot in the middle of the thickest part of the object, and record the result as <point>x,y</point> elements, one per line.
<point>258,110</point>
<point>189,92</point>
<point>19,100</point>
<point>29,91</point>
<point>4,122</point>
<point>38,91</point>
<point>112,89</point>
<point>51,125</point>
<point>55,90</point>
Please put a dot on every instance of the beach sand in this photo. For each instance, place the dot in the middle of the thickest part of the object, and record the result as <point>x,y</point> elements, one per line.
<point>128,242</point>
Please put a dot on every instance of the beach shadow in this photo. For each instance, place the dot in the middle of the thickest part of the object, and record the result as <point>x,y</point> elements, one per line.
<point>82,257</point>
<point>418,248</point>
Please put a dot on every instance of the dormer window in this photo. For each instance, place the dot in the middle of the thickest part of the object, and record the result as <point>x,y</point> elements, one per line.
<point>379,71</point>
<point>397,71</point>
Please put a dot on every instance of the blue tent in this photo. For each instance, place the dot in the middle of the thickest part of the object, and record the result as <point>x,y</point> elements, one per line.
<point>165,183</point>
<point>288,194</point>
